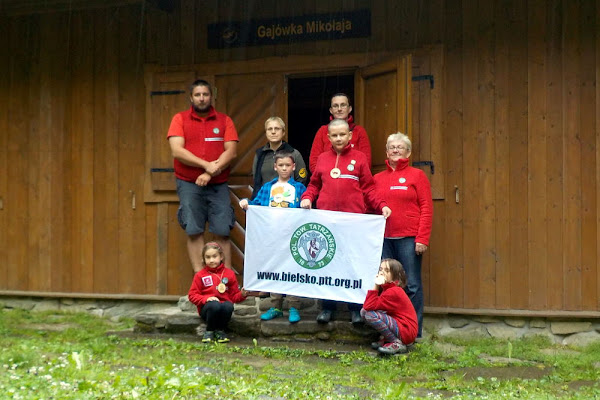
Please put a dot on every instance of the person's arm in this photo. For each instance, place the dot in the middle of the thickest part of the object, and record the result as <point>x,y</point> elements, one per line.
<point>230,137</point>
<point>254,165</point>
<point>237,295</point>
<point>372,195</point>
<point>300,174</point>
<point>316,149</point>
<point>364,145</point>
<point>309,196</point>
<point>180,153</point>
<point>425,202</point>
<point>372,300</point>
<point>195,295</point>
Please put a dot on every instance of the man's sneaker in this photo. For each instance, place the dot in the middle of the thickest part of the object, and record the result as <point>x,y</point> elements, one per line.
<point>271,313</point>
<point>208,337</point>
<point>221,337</point>
<point>324,316</point>
<point>355,318</point>
<point>376,345</point>
<point>393,348</point>
<point>294,315</point>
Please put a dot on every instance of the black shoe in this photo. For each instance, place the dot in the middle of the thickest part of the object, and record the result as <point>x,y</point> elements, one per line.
<point>324,316</point>
<point>221,337</point>
<point>356,318</point>
<point>208,337</point>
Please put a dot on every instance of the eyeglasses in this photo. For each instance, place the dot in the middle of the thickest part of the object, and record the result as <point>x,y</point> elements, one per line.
<point>399,148</point>
<point>340,106</point>
<point>276,129</point>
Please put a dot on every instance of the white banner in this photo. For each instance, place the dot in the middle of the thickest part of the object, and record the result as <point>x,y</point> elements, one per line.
<point>312,253</point>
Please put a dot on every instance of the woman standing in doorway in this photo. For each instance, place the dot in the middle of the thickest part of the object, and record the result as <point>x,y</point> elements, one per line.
<point>262,166</point>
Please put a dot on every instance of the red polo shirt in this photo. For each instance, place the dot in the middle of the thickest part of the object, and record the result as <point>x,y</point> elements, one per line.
<point>205,137</point>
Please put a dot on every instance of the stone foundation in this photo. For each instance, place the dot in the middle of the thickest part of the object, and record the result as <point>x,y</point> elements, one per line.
<point>158,317</point>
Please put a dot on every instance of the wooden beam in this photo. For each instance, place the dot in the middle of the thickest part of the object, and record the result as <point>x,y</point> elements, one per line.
<point>91,296</point>
<point>29,7</point>
<point>512,313</point>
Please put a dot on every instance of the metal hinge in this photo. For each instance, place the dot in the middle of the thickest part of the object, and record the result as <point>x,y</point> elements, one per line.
<point>165,92</point>
<point>424,78</point>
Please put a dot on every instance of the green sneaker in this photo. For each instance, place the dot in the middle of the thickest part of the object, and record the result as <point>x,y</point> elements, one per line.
<point>294,315</point>
<point>271,313</point>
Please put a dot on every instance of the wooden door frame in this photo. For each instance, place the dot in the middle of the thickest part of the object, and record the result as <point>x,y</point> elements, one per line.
<point>290,65</point>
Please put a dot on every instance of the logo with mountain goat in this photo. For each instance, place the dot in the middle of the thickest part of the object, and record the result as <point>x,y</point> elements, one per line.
<point>312,246</point>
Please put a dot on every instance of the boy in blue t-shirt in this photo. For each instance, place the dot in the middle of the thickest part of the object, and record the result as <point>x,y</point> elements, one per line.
<point>285,192</point>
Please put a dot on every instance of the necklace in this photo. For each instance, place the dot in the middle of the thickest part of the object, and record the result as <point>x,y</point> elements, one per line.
<point>335,172</point>
<point>221,288</point>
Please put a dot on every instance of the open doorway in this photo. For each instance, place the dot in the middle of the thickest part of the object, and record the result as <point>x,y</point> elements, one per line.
<point>308,106</point>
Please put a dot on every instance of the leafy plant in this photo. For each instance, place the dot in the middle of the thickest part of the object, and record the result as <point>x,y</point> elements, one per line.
<point>75,356</point>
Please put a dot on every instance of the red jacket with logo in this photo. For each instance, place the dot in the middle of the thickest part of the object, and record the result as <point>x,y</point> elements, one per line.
<point>205,138</point>
<point>205,284</point>
<point>407,192</point>
<point>321,143</point>
<point>394,301</point>
<point>352,191</point>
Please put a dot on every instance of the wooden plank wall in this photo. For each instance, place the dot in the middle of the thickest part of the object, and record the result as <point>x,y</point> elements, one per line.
<point>516,226</point>
<point>71,157</point>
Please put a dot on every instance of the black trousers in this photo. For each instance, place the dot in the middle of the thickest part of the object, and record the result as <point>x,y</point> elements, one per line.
<point>216,315</point>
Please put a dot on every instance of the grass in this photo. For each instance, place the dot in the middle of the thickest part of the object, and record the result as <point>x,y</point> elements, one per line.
<point>73,356</point>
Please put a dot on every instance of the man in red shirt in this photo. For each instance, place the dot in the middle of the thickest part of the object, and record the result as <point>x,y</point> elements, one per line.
<point>203,143</point>
<point>340,109</point>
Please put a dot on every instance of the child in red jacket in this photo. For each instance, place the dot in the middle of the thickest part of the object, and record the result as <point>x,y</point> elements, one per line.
<point>388,309</point>
<point>342,181</point>
<point>214,290</point>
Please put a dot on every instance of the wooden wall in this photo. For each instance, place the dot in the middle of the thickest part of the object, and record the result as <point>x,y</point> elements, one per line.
<point>518,116</point>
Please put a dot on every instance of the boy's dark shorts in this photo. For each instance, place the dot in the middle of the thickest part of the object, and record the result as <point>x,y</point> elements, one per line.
<point>199,204</point>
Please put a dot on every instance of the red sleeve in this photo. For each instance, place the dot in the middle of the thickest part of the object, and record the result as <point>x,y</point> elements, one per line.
<point>371,300</point>
<point>426,208</point>
<point>387,301</point>
<point>363,144</point>
<point>196,294</point>
<point>176,127</point>
<point>317,148</point>
<point>314,186</point>
<point>231,134</point>
<point>373,200</point>
<point>234,290</point>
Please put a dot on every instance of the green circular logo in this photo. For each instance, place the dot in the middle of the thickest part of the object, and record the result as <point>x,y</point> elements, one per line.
<point>312,246</point>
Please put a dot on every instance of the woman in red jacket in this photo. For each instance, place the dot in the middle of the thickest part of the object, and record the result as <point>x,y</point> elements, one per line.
<point>214,290</point>
<point>389,311</point>
<point>407,192</point>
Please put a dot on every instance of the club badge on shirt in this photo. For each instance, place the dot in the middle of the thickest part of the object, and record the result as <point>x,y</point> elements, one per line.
<point>207,281</point>
<point>216,131</point>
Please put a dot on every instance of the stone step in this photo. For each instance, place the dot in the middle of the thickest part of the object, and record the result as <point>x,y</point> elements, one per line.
<point>251,326</point>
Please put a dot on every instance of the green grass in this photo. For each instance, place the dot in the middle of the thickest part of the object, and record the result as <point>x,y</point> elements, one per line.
<point>72,356</point>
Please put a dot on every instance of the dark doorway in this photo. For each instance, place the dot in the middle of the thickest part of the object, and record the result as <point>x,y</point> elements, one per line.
<point>309,100</point>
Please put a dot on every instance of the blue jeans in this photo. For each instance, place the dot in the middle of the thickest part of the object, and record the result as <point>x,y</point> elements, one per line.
<point>403,250</point>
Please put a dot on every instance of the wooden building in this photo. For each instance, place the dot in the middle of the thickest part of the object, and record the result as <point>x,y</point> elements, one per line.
<point>501,96</point>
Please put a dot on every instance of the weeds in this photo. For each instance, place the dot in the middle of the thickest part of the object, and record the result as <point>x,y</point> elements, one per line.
<point>72,356</point>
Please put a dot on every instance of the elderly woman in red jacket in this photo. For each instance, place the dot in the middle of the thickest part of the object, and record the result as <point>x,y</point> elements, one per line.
<point>407,192</point>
